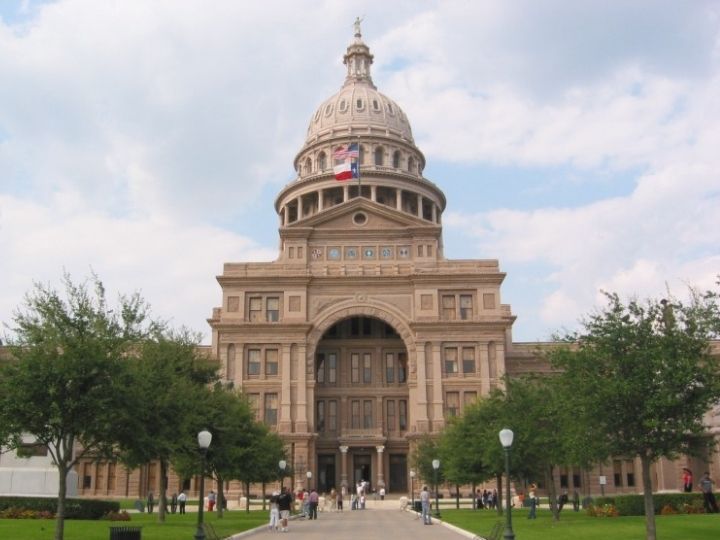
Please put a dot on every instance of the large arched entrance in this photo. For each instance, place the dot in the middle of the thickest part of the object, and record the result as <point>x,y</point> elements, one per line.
<point>361,405</point>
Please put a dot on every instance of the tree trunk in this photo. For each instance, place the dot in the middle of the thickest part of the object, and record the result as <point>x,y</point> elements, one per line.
<point>552,492</point>
<point>457,496</point>
<point>162,500</point>
<point>498,478</point>
<point>220,497</point>
<point>650,532</point>
<point>60,512</point>
<point>263,495</point>
<point>247,496</point>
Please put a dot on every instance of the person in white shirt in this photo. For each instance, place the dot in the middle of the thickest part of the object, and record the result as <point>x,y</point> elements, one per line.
<point>425,501</point>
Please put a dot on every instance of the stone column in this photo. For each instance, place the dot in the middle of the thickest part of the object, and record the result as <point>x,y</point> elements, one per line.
<point>284,423</point>
<point>346,193</point>
<point>300,207</point>
<point>305,398</point>
<point>373,193</point>
<point>419,208</point>
<point>437,399</point>
<point>343,466</point>
<point>398,199</point>
<point>421,419</point>
<point>434,213</point>
<point>320,200</point>
<point>380,477</point>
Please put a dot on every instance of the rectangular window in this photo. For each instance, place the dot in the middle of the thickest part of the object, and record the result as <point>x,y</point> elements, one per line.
<point>390,415</point>
<point>272,312</point>
<point>254,400</point>
<point>271,362</point>
<point>576,481</point>
<point>320,370</point>
<point>355,326</point>
<point>253,366</point>
<point>402,407</point>
<point>469,398</point>
<point>468,358</point>
<point>367,414</point>
<point>451,361</point>
<point>448,307</point>
<point>564,481</point>
<point>332,368</point>
<point>452,404</point>
<point>355,368</point>
<point>367,368</point>
<point>466,307</point>
<point>320,416</point>
<point>332,415</point>
<point>255,309</point>
<point>402,367</point>
<point>271,408</point>
<point>389,368</point>
<point>630,473</point>
<point>367,326</point>
<point>355,414</point>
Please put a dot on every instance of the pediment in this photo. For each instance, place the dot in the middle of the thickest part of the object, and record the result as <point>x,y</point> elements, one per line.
<point>379,217</point>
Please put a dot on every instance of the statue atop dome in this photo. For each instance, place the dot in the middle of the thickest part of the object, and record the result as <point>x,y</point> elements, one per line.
<point>356,26</point>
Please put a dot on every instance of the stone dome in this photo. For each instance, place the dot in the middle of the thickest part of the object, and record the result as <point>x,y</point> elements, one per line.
<point>358,108</point>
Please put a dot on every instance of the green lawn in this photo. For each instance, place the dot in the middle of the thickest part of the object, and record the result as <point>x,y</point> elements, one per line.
<point>577,525</point>
<point>175,527</point>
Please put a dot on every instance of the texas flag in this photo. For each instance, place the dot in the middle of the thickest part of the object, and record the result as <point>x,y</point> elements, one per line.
<point>346,170</point>
<point>346,158</point>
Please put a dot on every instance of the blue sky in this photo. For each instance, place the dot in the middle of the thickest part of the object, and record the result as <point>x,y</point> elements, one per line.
<point>577,143</point>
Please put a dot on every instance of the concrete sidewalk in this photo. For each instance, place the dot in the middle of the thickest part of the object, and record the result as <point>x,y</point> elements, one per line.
<point>370,523</point>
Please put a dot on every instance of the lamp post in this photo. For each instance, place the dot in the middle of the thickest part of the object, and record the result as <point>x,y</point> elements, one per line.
<point>309,477</point>
<point>282,464</point>
<point>506,439</point>
<point>436,466</point>
<point>412,488</point>
<point>204,438</point>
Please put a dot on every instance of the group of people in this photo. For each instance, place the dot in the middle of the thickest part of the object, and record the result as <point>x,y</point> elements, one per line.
<point>176,501</point>
<point>280,504</point>
<point>486,499</point>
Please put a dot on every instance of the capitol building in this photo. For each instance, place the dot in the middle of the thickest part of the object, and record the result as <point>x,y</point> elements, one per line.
<point>361,337</point>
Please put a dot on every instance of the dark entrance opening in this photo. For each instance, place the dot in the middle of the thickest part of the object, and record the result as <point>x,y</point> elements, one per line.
<point>398,473</point>
<point>361,469</point>
<point>326,473</point>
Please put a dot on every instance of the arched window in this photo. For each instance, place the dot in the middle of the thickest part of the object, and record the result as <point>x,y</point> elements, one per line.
<point>230,371</point>
<point>411,164</point>
<point>379,155</point>
<point>322,161</point>
<point>396,159</point>
<point>308,166</point>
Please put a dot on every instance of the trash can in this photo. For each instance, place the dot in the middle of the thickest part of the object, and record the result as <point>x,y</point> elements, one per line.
<point>125,533</point>
<point>418,507</point>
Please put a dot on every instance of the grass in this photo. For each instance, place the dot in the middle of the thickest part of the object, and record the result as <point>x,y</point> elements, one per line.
<point>175,527</point>
<point>575,525</point>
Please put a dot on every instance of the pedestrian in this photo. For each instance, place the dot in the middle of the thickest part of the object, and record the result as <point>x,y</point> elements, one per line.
<point>182,499</point>
<point>382,493</point>
<point>562,501</point>
<point>425,503</point>
<point>150,502</point>
<point>304,496</point>
<point>313,500</point>
<point>284,503</point>
<point>211,500</point>
<point>533,502</point>
<point>576,501</point>
<point>173,503</point>
<point>274,512</point>
<point>709,502</point>
<point>340,500</point>
<point>687,480</point>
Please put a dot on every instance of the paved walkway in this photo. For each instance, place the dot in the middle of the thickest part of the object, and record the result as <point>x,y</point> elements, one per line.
<point>382,522</point>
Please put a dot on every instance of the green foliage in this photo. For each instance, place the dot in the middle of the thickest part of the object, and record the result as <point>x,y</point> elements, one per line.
<point>422,457</point>
<point>74,508</point>
<point>633,505</point>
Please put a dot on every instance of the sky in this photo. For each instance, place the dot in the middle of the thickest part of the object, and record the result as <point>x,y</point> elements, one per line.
<point>578,143</point>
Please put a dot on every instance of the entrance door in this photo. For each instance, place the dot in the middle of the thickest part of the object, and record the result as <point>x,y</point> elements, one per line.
<point>361,469</point>
<point>398,473</point>
<point>326,473</point>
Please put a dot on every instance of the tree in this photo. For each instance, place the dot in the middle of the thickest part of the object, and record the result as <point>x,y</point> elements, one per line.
<point>164,405</point>
<point>643,378</point>
<point>427,449</point>
<point>66,378</point>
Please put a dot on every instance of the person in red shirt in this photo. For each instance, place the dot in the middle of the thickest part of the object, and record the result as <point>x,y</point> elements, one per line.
<point>687,479</point>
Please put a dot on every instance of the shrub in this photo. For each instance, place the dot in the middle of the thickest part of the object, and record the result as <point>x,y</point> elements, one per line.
<point>669,510</point>
<point>604,510</point>
<point>19,513</point>
<point>634,505</point>
<point>117,516</point>
<point>74,508</point>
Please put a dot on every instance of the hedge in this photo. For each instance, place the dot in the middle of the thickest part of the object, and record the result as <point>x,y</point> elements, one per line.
<point>634,505</point>
<point>74,508</point>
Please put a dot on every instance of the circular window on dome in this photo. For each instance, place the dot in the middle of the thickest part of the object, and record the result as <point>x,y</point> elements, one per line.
<point>360,219</point>
<point>328,109</point>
